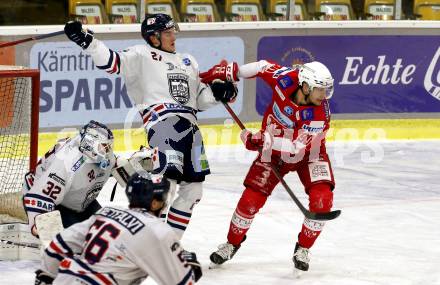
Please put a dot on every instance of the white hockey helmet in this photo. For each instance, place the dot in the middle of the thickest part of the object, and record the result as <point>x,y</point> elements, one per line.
<point>97,143</point>
<point>316,74</point>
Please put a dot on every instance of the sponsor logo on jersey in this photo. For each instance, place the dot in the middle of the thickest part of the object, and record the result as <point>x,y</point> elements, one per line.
<point>285,82</point>
<point>288,110</point>
<point>306,114</point>
<point>92,194</point>
<point>125,219</point>
<point>174,157</point>
<point>283,119</point>
<point>170,66</point>
<point>281,71</point>
<point>179,87</point>
<point>327,110</point>
<point>78,164</point>
<point>186,61</point>
<point>40,204</point>
<point>319,171</point>
<point>314,127</point>
<point>58,179</point>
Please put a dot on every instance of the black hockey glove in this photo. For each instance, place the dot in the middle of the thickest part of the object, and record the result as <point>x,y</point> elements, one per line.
<point>42,278</point>
<point>224,91</point>
<point>75,33</point>
<point>191,259</point>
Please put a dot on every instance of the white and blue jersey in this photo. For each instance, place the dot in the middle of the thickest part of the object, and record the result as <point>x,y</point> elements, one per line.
<point>117,247</point>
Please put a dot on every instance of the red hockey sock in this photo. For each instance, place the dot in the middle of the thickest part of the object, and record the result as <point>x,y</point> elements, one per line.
<point>250,203</point>
<point>320,201</point>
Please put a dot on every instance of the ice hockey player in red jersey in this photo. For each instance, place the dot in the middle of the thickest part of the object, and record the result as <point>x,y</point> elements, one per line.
<point>292,138</point>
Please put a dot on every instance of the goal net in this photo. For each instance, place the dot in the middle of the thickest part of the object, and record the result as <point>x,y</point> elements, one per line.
<point>19,107</point>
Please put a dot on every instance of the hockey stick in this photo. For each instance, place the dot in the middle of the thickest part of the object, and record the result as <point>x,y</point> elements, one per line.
<point>23,244</point>
<point>34,38</point>
<point>310,215</point>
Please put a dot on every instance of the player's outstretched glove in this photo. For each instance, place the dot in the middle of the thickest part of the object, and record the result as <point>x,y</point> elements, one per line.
<point>224,91</point>
<point>191,259</point>
<point>223,71</point>
<point>42,278</point>
<point>75,33</point>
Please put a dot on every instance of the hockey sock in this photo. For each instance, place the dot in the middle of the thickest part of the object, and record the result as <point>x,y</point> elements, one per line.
<point>320,201</point>
<point>250,203</point>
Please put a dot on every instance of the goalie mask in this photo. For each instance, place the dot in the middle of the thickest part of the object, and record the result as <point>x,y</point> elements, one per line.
<point>143,188</point>
<point>317,75</point>
<point>154,24</point>
<point>97,143</point>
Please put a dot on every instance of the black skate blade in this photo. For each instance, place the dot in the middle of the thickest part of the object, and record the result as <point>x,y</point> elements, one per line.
<point>213,265</point>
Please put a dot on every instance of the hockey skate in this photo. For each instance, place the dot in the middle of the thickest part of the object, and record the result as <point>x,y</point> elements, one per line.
<point>224,253</point>
<point>301,258</point>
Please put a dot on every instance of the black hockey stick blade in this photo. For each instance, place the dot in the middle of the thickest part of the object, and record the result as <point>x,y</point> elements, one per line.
<point>323,216</point>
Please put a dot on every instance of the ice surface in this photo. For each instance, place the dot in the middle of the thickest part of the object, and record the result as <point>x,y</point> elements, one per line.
<point>388,232</point>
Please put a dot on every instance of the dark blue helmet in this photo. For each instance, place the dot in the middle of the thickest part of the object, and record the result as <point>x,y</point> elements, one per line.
<point>143,188</point>
<point>155,23</point>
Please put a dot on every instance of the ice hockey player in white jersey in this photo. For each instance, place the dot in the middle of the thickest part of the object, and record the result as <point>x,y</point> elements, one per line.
<point>168,93</point>
<point>70,176</point>
<point>121,246</point>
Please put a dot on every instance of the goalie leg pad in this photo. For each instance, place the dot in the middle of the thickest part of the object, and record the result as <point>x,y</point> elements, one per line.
<point>250,203</point>
<point>179,215</point>
<point>48,225</point>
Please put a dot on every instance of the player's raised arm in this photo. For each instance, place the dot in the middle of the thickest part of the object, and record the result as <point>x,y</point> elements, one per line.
<point>125,62</point>
<point>232,72</point>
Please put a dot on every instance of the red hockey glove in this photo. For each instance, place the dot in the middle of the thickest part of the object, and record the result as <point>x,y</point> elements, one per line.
<point>253,141</point>
<point>224,71</point>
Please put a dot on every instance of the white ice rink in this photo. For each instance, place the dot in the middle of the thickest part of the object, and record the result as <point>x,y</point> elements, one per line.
<point>388,232</point>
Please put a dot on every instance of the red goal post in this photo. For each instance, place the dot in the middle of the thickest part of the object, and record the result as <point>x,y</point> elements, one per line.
<point>19,114</point>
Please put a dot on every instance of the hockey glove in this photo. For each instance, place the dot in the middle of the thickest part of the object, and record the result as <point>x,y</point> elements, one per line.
<point>42,278</point>
<point>223,71</point>
<point>191,259</point>
<point>224,91</point>
<point>261,140</point>
<point>75,33</point>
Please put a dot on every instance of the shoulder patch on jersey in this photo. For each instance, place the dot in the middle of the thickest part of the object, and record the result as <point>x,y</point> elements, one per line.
<point>78,164</point>
<point>285,82</point>
<point>58,179</point>
<point>288,110</point>
<point>186,61</point>
<point>307,114</point>
<point>179,87</point>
